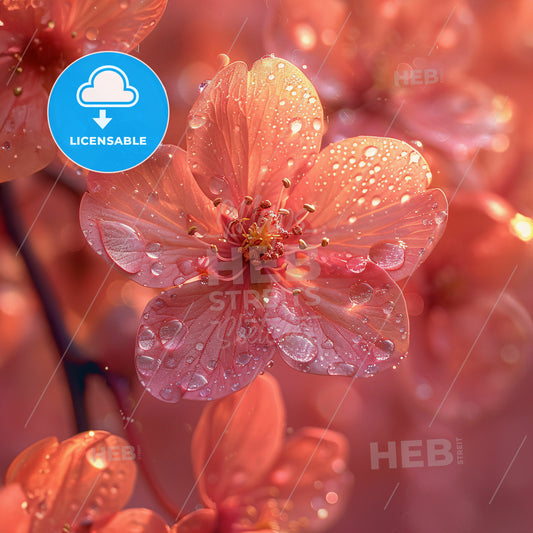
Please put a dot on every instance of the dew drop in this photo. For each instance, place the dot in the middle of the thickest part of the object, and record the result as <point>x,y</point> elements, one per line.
<point>317,124</point>
<point>440,217</point>
<point>192,382</point>
<point>296,126</point>
<point>271,77</point>
<point>405,198</point>
<point>217,184</point>
<point>243,359</point>
<point>197,121</point>
<point>341,369</point>
<point>146,339</point>
<point>91,34</point>
<point>383,349</point>
<point>328,344</point>
<point>387,255</point>
<point>170,394</point>
<point>153,250</point>
<point>370,151</point>
<point>298,347</point>
<point>124,4</point>
<point>157,269</point>
<point>414,157</point>
<point>6,145</point>
<point>376,201</point>
<point>370,370</point>
<point>290,162</point>
<point>200,346</point>
<point>361,293</point>
<point>145,363</point>
<point>172,333</point>
<point>356,264</point>
<point>170,361</point>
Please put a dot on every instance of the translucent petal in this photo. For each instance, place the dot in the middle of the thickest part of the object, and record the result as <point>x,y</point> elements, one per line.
<point>371,200</point>
<point>249,130</point>
<point>237,440</point>
<point>141,220</point>
<point>338,319</point>
<point>72,479</point>
<point>202,342</point>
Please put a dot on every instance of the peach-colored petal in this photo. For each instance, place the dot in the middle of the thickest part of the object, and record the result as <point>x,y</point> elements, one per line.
<point>141,219</point>
<point>312,479</point>
<point>104,25</point>
<point>201,521</point>
<point>26,145</point>
<point>133,521</point>
<point>371,200</point>
<point>14,518</point>
<point>344,320</point>
<point>249,130</point>
<point>202,342</point>
<point>237,440</point>
<point>89,476</point>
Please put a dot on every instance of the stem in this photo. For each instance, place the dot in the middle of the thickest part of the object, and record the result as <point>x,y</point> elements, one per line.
<point>75,366</point>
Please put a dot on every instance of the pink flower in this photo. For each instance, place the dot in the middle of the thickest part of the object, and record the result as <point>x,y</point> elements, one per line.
<point>268,245</point>
<point>38,40</point>
<point>250,477</point>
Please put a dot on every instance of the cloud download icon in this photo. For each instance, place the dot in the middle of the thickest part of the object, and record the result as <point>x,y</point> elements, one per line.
<point>105,81</point>
<point>108,86</point>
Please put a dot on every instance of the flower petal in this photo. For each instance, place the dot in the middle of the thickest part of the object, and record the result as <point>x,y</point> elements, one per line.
<point>133,521</point>
<point>312,455</point>
<point>201,521</point>
<point>338,319</point>
<point>104,25</point>
<point>13,515</point>
<point>69,482</point>
<point>141,219</point>
<point>237,440</point>
<point>202,342</point>
<point>370,199</point>
<point>249,130</point>
<point>26,145</point>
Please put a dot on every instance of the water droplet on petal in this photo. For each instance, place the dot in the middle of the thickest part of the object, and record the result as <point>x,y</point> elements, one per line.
<point>341,369</point>
<point>387,255</point>
<point>197,121</point>
<point>192,382</point>
<point>298,347</point>
<point>91,34</point>
<point>6,145</point>
<point>145,363</point>
<point>370,151</point>
<point>361,293</point>
<point>146,339</point>
<point>356,264</point>
<point>172,333</point>
<point>153,250</point>
<point>296,125</point>
<point>157,269</point>
<point>383,349</point>
<point>414,157</point>
<point>317,124</point>
<point>370,370</point>
<point>243,359</point>
<point>170,394</point>
<point>200,346</point>
<point>217,184</point>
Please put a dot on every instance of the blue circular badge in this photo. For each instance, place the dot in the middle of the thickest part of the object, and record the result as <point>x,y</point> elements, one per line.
<point>108,112</point>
